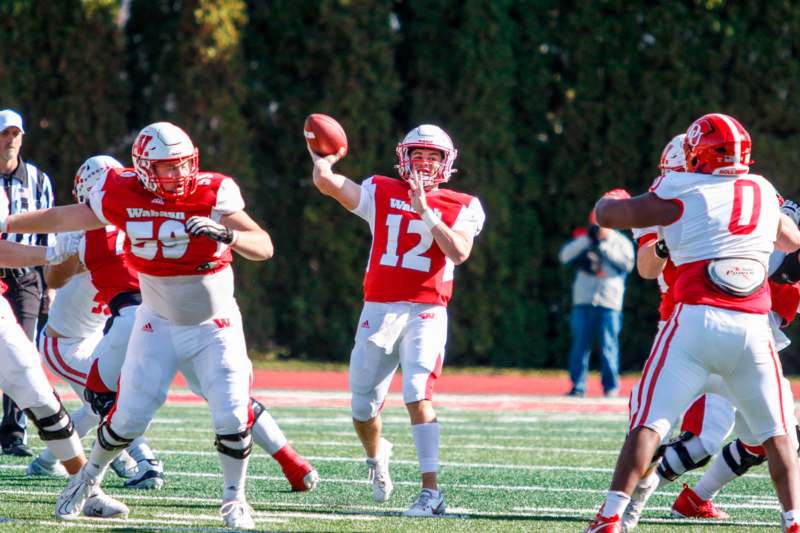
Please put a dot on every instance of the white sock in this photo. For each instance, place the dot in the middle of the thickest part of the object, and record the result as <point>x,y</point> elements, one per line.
<point>84,420</point>
<point>790,518</point>
<point>266,433</point>
<point>719,474</point>
<point>234,471</point>
<point>47,457</point>
<point>100,458</point>
<point>615,504</point>
<point>63,449</point>
<point>140,450</point>
<point>426,440</point>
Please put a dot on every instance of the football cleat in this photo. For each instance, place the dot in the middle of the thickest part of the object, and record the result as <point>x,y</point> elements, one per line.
<point>124,465</point>
<point>237,514</point>
<point>70,502</point>
<point>794,529</point>
<point>604,524</point>
<point>148,475</point>
<point>644,489</point>
<point>689,505</point>
<point>427,505</point>
<point>382,485</point>
<point>40,467</point>
<point>101,505</point>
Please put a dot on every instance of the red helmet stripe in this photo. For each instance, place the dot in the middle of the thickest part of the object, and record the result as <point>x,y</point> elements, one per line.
<point>737,139</point>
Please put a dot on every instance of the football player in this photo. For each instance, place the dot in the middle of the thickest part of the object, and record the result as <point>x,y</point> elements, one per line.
<point>720,224</point>
<point>182,225</point>
<point>92,284</point>
<point>420,232</point>
<point>23,379</point>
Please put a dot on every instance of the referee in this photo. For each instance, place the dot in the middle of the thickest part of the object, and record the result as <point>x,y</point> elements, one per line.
<point>27,189</point>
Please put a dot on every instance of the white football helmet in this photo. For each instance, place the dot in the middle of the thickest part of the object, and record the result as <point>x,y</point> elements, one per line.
<point>673,157</point>
<point>164,142</point>
<point>433,138</point>
<point>89,172</point>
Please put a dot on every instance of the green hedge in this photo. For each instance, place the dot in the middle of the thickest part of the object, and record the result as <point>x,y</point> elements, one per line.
<point>550,103</point>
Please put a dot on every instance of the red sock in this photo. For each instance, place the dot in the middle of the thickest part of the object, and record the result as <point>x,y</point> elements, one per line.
<point>294,467</point>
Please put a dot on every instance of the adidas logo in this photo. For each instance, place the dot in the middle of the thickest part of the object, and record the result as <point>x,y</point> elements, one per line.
<point>365,324</point>
<point>157,200</point>
<point>148,327</point>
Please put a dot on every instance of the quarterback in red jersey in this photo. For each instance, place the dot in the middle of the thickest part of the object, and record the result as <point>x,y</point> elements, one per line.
<point>181,225</point>
<point>419,233</point>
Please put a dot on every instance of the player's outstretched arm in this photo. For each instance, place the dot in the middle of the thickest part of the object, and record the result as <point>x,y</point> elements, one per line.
<point>615,211</point>
<point>72,217</point>
<point>56,276</point>
<point>343,189</point>
<point>15,255</point>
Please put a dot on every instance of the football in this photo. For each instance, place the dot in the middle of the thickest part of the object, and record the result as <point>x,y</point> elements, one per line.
<point>324,135</point>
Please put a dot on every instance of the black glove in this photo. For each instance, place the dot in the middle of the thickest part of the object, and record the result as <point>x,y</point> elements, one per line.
<point>789,271</point>
<point>204,226</point>
<point>592,233</point>
<point>661,249</point>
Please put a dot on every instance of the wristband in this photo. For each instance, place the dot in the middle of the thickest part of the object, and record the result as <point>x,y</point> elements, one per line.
<point>234,238</point>
<point>430,218</point>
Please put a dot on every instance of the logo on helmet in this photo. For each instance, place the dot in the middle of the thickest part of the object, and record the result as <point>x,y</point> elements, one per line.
<point>694,134</point>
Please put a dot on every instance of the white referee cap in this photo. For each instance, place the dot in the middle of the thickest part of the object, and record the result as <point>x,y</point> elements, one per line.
<point>9,119</point>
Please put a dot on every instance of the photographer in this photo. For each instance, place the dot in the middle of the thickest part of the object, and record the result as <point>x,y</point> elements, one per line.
<point>602,259</point>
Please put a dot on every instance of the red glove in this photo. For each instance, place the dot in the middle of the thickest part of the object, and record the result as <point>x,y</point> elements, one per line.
<point>617,194</point>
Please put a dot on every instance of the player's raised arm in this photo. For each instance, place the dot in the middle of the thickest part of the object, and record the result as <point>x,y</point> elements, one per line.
<point>72,217</point>
<point>343,189</point>
<point>618,211</point>
<point>788,238</point>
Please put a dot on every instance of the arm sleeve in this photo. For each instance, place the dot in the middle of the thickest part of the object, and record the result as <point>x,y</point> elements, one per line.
<point>470,219</point>
<point>366,204</point>
<point>573,249</point>
<point>229,199</point>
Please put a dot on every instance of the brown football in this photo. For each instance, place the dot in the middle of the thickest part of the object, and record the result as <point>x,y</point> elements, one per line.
<point>324,135</point>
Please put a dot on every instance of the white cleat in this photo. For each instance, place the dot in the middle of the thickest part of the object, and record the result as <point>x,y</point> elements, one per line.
<point>124,465</point>
<point>428,505</point>
<point>644,489</point>
<point>237,514</point>
<point>311,480</point>
<point>40,467</point>
<point>70,502</point>
<point>101,505</point>
<point>148,475</point>
<point>382,485</point>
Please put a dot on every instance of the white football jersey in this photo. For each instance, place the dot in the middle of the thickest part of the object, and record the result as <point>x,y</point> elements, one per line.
<point>723,216</point>
<point>75,312</point>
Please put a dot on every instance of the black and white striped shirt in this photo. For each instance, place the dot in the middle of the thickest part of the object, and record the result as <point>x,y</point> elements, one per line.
<point>27,190</point>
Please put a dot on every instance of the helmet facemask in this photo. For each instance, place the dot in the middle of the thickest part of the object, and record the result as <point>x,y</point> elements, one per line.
<point>431,173</point>
<point>174,187</point>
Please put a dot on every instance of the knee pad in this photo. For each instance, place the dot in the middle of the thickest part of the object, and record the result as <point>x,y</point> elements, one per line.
<point>54,426</point>
<point>746,461</point>
<point>257,408</point>
<point>237,453</point>
<point>100,402</point>
<point>667,471</point>
<point>363,407</point>
<point>109,440</point>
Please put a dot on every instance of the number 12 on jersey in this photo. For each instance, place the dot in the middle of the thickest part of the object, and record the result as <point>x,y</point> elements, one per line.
<point>413,258</point>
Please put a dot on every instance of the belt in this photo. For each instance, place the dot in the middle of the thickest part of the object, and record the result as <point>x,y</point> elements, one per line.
<point>123,300</point>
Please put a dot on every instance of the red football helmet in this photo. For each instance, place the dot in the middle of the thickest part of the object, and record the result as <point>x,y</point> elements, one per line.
<point>717,144</point>
<point>433,138</point>
<point>163,142</point>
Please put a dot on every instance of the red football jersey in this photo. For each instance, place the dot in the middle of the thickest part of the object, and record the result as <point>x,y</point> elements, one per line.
<point>405,263</point>
<point>157,242</point>
<point>103,254</point>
